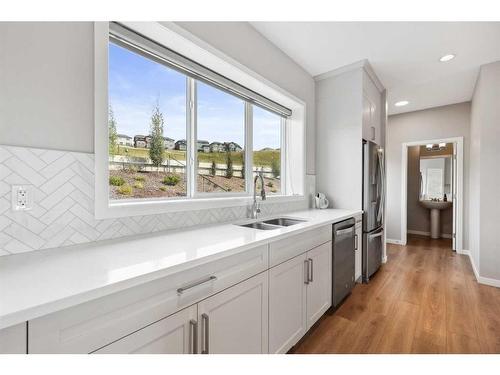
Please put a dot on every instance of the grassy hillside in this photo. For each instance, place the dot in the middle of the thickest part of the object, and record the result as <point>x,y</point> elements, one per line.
<point>261,158</point>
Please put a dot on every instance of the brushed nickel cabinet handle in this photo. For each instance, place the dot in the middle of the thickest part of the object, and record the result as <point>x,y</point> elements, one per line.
<point>355,242</point>
<point>311,274</point>
<point>193,336</point>
<point>306,271</point>
<point>205,322</point>
<point>196,283</point>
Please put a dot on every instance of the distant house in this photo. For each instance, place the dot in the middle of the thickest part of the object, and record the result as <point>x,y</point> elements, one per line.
<point>124,140</point>
<point>217,147</point>
<point>168,143</point>
<point>203,146</point>
<point>233,146</point>
<point>142,141</point>
<point>181,145</point>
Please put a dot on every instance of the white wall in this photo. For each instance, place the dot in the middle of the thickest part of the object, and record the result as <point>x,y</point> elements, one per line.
<point>339,138</point>
<point>485,161</point>
<point>441,122</point>
<point>240,41</point>
<point>46,85</point>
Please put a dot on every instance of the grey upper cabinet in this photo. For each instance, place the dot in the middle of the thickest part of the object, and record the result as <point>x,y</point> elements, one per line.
<point>372,111</point>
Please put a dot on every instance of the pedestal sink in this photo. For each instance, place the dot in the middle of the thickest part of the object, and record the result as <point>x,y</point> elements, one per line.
<point>435,207</point>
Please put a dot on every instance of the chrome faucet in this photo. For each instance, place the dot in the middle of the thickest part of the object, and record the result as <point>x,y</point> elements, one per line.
<point>256,205</point>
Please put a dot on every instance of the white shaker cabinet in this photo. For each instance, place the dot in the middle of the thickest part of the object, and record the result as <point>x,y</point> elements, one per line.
<point>13,339</point>
<point>235,321</point>
<point>319,287</point>
<point>287,303</point>
<point>176,334</point>
<point>232,321</point>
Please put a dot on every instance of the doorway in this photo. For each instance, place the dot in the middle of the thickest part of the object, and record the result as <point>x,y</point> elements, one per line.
<point>434,184</point>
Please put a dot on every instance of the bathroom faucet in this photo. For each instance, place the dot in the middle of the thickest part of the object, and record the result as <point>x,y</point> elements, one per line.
<point>256,205</point>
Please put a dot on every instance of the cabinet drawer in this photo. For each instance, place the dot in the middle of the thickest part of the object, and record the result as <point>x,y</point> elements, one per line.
<point>171,335</point>
<point>92,325</point>
<point>281,251</point>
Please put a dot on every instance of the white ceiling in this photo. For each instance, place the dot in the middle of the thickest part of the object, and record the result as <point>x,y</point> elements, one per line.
<point>404,55</point>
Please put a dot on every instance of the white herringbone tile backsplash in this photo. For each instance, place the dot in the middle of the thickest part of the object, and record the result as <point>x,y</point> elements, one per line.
<point>63,212</point>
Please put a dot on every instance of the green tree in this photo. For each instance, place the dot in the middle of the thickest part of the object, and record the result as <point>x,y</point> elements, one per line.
<point>213,169</point>
<point>276,167</point>
<point>157,145</point>
<point>112,133</point>
<point>243,166</point>
<point>229,162</point>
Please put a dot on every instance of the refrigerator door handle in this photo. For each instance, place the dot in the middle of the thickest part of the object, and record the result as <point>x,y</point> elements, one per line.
<point>372,236</point>
<point>380,212</point>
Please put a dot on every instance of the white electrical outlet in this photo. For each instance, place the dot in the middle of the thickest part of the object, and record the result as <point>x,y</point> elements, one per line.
<point>22,197</point>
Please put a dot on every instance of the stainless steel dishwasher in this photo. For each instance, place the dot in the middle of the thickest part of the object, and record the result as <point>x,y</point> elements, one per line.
<point>343,253</point>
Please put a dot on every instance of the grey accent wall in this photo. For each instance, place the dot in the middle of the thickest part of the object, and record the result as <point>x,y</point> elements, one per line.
<point>240,41</point>
<point>485,180</point>
<point>440,122</point>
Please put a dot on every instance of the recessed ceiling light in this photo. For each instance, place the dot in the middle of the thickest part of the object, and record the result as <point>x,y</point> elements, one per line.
<point>401,103</point>
<point>447,57</point>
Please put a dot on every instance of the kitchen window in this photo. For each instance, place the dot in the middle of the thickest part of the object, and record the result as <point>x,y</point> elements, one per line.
<point>180,132</point>
<point>268,139</point>
<point>146,127</point>
<point>220,141</point>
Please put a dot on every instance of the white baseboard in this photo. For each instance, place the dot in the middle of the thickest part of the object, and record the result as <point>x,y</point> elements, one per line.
<point>480,279</point>
<point>427,234</point>
<point>394,242</point>
<point>464,252</point>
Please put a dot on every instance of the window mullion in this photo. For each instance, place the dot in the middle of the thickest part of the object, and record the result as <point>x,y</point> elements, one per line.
<point>191,137</point>
<point>249,148</point>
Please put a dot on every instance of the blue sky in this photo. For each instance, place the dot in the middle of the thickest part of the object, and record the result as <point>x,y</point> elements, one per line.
<point>136,83</point>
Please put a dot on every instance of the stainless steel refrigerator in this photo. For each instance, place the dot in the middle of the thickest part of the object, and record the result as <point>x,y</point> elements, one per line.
<point>373,208</point>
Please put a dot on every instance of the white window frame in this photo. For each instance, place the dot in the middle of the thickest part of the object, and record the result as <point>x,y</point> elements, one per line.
<point>177,39</point>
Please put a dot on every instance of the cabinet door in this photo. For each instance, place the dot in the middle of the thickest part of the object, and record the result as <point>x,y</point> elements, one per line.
<point>287,304</point>
<point>236,319</point>
<point>358,252</point>
<point>176,334</point>
<point>319,289</point>
<point>13,339</point>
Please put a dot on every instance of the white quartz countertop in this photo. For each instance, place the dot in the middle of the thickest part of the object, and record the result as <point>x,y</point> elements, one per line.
<point>41,282</point>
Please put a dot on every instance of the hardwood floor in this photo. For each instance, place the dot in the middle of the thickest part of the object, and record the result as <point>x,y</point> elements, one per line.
<point>425,299</point>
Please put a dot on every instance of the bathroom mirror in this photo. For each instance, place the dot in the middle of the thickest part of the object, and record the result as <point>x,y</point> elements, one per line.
<point>435,177</point>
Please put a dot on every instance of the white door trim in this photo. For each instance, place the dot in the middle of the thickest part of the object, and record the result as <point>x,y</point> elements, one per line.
<point>458,218</point>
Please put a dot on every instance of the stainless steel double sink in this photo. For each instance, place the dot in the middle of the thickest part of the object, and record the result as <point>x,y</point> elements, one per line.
<point>271,224</point>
